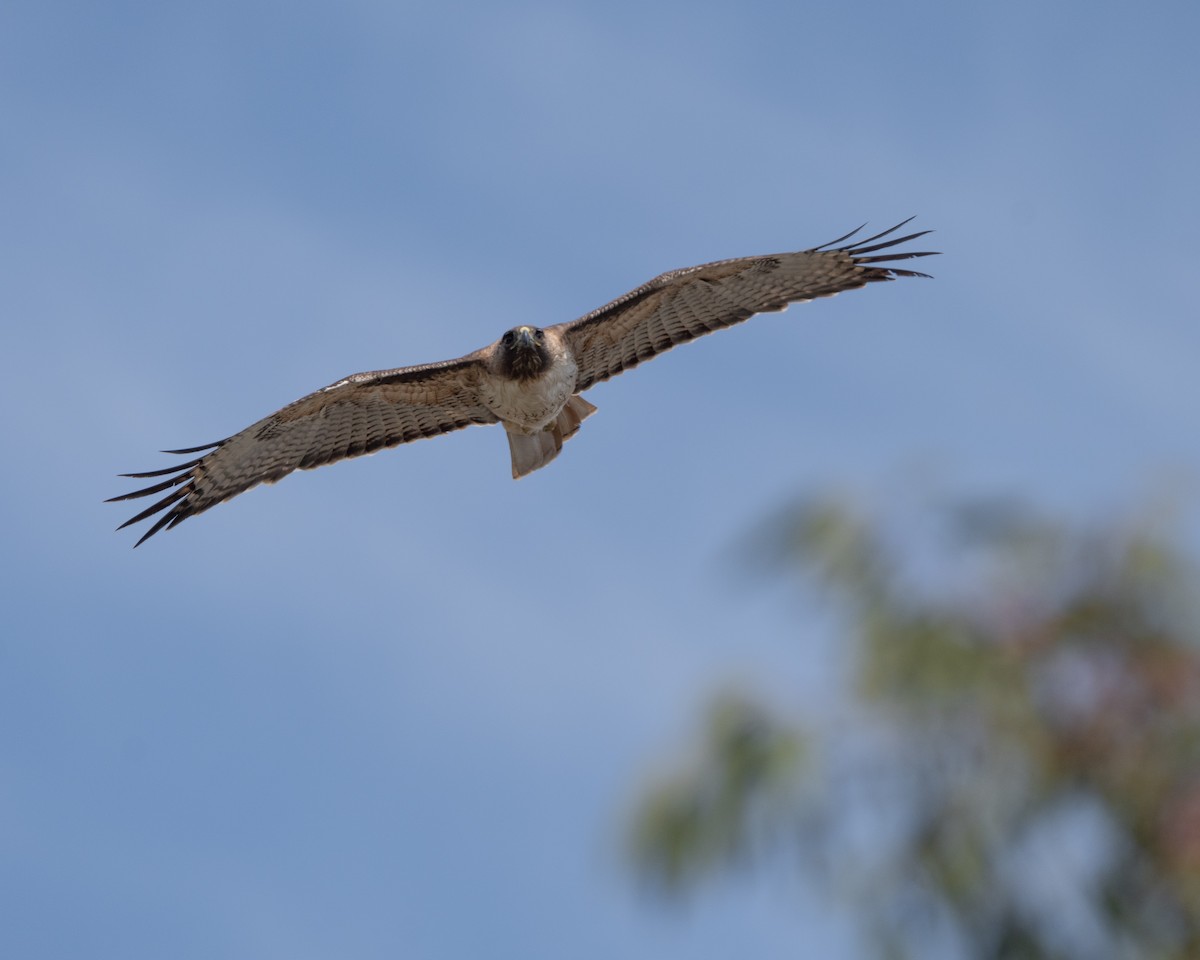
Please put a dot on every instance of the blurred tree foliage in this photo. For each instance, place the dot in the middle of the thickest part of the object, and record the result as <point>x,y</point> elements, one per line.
<point>1015,770</point>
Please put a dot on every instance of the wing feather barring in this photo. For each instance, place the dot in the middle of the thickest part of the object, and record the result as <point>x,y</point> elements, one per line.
<point>530,380</point>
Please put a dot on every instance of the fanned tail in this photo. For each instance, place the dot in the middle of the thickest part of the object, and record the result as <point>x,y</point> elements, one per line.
<point>531,451</point>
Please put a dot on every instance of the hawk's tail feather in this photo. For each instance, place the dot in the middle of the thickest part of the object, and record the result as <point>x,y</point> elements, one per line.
<point>572,415</point>
<point>531,451</point>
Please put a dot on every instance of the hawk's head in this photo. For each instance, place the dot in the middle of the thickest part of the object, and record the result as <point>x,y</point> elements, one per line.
<point>523,354</point>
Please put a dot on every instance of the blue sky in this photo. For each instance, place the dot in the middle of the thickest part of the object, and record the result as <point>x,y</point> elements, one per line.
<point>400,706</point>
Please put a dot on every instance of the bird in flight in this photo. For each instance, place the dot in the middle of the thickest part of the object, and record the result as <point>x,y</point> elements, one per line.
<point>530,380</point>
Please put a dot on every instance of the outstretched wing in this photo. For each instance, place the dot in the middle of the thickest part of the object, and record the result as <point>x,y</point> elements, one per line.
<point>358,415</point>
<point>684,304</point>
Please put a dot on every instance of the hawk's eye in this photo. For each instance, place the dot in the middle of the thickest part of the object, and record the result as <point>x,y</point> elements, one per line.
<point>508,339</point>
<point>540,334</point>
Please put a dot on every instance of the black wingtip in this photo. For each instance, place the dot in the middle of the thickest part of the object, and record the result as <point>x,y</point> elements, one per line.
<point>166,520</point>
<point>175,503</point>
<point>163,472</point>
<point>869,245</point>
<point>155,507</point>
<point>859,243</point>
<point>858,248</point>
<point>846,236</point>
<point>147,491</point>
<point>891,273</point>
<point>186,450</point>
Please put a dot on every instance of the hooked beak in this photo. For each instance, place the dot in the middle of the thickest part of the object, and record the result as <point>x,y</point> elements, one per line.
<point>525,335</point>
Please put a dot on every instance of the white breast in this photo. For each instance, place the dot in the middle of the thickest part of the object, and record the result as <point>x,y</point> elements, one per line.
<point>530,405</point>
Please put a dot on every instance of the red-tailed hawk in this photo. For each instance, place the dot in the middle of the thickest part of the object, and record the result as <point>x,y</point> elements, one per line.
<point>530,379</point>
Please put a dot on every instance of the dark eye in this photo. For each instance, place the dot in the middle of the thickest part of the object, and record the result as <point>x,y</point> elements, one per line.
<point>508,339</point>
<point>540,334</point>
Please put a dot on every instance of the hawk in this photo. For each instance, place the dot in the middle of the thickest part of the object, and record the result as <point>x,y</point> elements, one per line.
<point>530,380</point>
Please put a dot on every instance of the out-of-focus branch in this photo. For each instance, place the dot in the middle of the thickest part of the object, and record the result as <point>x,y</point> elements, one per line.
<point>1032,683</point>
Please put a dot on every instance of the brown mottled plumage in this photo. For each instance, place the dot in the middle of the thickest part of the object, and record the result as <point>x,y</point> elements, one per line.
<point>529,380</point>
